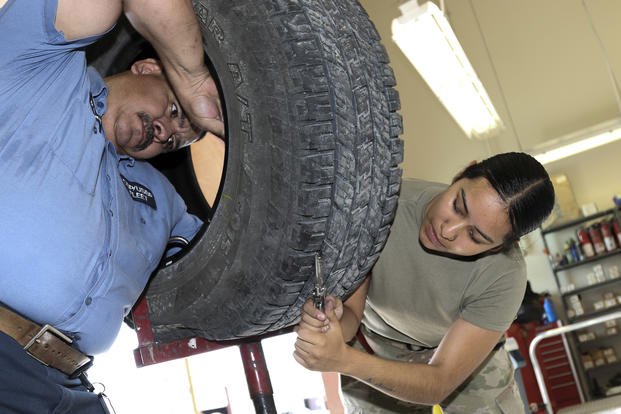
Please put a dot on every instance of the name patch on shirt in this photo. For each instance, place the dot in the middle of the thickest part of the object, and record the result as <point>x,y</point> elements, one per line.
<point>139,192</point>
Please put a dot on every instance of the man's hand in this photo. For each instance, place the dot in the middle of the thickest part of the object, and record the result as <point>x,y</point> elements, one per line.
<point>320,345</point>
<point>172,28</point>
<point>198,96</point>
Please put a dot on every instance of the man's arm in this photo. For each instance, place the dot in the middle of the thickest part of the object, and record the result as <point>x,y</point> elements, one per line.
<point>78,19</point>
<point>171,27</point>
<point>460,352</point>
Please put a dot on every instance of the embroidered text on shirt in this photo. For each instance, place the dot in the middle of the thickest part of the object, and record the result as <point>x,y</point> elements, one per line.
<point>139,192</point>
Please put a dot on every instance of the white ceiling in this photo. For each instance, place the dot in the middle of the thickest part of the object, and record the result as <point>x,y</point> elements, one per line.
<point>540,62</point>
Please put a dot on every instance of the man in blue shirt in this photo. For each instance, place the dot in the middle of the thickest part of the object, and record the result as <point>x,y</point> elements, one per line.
<point>85,220</point>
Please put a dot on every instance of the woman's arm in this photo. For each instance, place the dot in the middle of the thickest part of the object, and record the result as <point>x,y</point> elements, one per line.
<point>353,309</point>
<point>460,352</point>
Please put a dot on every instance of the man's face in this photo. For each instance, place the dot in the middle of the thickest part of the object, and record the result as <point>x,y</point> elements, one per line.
<point>467,219</point>
<point>144,118</point>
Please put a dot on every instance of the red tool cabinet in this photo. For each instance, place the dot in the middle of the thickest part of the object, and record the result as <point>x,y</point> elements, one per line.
<point>554,358</point>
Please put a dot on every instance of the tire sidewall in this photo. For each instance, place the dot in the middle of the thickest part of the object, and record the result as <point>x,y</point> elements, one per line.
<point>233,238</point>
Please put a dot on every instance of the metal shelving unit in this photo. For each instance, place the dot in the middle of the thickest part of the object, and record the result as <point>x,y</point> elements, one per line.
<point>585,293</point>
<point>587,261</point>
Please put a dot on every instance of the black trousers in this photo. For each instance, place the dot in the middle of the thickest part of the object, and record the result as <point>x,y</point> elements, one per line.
<point>29,387</point>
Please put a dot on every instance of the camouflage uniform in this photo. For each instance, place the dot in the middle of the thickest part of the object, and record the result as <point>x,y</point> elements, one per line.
<point>491,389</point>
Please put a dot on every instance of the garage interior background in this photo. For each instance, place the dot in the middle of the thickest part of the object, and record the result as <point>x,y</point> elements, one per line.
<point>547,76</point>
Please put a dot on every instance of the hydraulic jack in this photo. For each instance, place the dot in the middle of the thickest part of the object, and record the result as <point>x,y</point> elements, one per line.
<point>151,352</point>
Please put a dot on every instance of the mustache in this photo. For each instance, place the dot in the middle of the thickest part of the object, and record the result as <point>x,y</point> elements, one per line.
<point>147,123</point>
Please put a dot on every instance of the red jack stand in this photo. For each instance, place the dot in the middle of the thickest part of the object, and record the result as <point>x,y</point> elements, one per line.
<point>150,352</point>
<point>258,377</point>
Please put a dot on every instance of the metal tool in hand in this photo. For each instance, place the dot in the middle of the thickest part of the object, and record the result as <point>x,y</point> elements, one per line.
<point>319,291</point>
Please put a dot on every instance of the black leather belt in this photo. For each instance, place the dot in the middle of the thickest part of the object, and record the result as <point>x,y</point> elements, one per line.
<point>44,343</point>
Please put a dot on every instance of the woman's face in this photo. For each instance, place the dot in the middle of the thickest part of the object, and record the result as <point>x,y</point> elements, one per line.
<point>467,219</point>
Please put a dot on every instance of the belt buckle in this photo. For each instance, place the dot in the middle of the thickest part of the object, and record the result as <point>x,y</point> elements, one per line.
<point>79,372</point>
<point>42,331</point>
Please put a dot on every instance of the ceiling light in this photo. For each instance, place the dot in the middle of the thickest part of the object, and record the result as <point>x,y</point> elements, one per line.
<point>426,38</point>
<point>577,142</point>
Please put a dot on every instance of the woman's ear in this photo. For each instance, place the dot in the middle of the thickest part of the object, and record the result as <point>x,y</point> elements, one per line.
<point>502,248</point>
<point>146,67</point>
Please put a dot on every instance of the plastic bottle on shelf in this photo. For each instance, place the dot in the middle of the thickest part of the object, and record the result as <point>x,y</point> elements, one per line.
<point>608,236</point>
<point>616,229</point>
<point>596,237</point>
<point>548,308</point>
<point>585,243</point>
<point>568,254</point>
<point>575,251</point>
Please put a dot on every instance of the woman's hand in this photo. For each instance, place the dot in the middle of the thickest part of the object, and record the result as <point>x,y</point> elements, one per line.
<point>313,318</point>
<point>320,345</point>
<point>337,305</point>
<point>322,336</point>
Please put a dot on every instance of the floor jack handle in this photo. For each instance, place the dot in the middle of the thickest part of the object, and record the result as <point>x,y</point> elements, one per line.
<point>257,376</point>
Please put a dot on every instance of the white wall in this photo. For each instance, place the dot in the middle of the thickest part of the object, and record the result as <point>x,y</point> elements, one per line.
<point>204,381</point>
<point>542,67</point>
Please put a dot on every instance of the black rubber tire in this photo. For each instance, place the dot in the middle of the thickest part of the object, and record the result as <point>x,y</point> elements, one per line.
<point>313,150</point>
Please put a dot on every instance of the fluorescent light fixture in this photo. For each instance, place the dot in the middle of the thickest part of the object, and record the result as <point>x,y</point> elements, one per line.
<point>427,40</point>
<point>578,141</point>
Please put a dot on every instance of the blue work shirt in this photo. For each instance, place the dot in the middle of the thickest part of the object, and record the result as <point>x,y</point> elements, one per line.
<point>83,227</point>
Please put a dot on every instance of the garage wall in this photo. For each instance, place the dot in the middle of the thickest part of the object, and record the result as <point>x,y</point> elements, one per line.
<point>545,73</point>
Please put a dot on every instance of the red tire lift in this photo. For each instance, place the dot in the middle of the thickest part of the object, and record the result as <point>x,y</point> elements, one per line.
<point>150,352</point>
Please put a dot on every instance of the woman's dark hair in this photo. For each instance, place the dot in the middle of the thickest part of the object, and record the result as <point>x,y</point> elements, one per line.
<point>522,183</point>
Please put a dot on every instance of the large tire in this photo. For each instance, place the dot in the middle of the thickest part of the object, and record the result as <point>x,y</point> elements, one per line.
<point>312,160</point>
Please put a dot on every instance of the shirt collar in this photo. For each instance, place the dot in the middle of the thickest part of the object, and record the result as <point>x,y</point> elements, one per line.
<point>99,91</point>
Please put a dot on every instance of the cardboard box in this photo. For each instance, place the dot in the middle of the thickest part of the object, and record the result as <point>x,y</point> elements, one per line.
<point>587,361</point>
<point>598,357</point>
<point>609,300</point>
<point>611,355</point>
<point>583,336</point>
<point>565,206</point>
